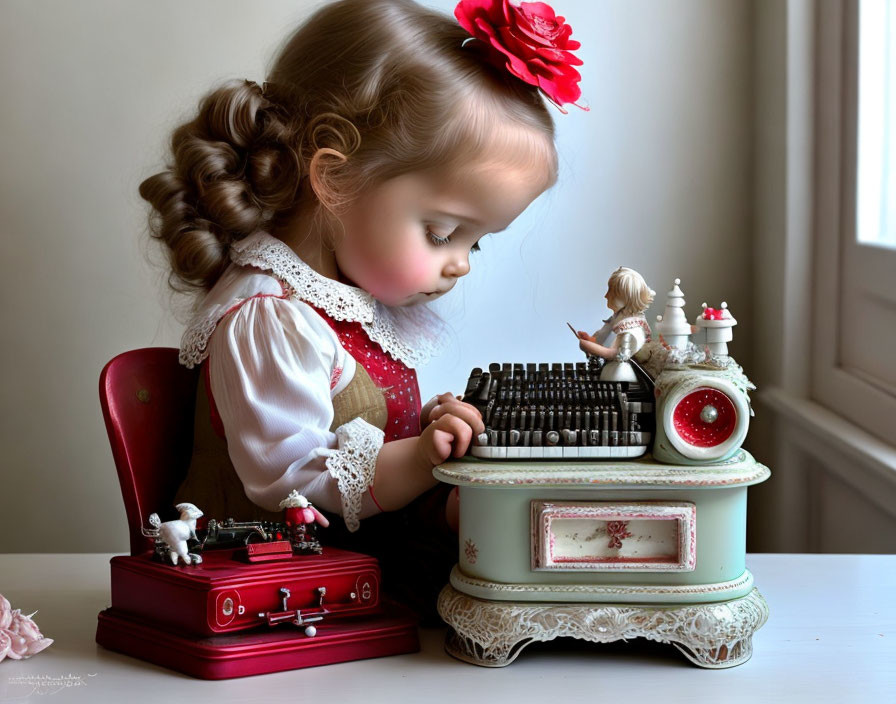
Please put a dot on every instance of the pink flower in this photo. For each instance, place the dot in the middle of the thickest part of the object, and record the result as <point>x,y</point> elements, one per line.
<point>24,626</point>
<point>19,635</point>
<point>533,42</point>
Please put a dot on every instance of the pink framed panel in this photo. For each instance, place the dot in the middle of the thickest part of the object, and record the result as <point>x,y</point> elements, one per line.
<point>609,536</point>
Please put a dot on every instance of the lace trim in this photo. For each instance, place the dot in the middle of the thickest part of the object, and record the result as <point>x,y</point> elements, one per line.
<point>411,335</point>
<point>353,465</point>
<point>631,323</point>
<point>339,301</point>
<point>195,339</point>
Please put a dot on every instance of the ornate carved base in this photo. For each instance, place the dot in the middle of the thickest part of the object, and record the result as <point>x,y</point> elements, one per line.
<point>493,633</point>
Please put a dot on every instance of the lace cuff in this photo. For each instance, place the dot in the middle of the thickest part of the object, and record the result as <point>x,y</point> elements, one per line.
<point>353,465</point>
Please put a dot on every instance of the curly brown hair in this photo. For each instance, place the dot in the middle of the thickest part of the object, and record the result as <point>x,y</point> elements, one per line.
<point>375,89</point>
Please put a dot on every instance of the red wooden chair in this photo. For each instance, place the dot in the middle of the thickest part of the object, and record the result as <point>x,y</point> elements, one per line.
<point>148,401</point>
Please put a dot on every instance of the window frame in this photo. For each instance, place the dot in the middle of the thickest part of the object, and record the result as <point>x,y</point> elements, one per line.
<point>845,389</point>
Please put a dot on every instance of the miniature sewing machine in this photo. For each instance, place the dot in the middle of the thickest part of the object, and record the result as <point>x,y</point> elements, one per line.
<point>568,527</point>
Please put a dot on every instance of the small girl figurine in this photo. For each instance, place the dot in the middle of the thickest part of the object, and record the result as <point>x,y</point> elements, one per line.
<point>628,296</point>
<point>318,215</point>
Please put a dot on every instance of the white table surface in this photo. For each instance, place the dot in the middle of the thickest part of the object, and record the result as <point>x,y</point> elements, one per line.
<point>831,637</point>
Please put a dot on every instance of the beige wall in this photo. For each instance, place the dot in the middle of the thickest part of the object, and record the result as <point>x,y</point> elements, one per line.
<point>658,176</point>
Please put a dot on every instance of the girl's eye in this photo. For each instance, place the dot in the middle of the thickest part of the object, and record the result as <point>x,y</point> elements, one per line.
<point>436,240</point>
<point>439,241</point>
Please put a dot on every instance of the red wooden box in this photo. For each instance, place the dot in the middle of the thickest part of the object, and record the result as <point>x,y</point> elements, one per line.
<point>211,620</point>
<point>224,594</point>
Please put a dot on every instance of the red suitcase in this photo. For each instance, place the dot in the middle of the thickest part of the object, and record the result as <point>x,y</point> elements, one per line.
<point>226,618</point>
<point>224,594</point>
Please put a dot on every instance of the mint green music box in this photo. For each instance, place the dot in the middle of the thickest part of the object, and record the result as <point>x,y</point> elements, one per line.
<point>606,505</point>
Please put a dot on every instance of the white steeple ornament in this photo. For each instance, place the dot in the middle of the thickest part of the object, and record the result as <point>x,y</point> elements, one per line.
<point>672,324</point>
<point>717,322</point>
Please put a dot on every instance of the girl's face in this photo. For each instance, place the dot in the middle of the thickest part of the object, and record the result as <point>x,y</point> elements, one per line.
<point>613,303</point>
<point>409,239</point>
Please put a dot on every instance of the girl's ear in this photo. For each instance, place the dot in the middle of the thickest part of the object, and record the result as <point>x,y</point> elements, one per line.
<point>323,163</point>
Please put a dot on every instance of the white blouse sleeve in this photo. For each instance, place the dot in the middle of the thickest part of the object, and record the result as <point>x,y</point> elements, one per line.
<point>270,366</point>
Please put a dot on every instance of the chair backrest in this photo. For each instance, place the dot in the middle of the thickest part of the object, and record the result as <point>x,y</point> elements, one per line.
<point>148,400</point>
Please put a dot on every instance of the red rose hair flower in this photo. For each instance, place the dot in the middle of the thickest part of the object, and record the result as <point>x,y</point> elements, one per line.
<point>533,42</point>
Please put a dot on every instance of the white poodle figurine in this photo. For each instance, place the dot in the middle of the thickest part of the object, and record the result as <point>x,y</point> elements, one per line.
<point>176,533</point>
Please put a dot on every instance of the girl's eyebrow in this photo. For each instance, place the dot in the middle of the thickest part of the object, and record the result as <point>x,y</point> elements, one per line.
<point>458,216</point>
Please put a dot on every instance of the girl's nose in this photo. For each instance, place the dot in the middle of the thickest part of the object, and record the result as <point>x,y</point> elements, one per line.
<point>458,265</point>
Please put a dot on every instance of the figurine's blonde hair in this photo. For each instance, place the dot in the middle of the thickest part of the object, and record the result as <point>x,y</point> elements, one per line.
<point>372,89</point>
<point>628,286</point>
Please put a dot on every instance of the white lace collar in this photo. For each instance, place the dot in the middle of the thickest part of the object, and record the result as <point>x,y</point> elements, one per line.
<point>338,300</point>
<point>411,335</point>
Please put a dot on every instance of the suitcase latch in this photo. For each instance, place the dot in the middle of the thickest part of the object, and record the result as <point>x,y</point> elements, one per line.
<point>295,616</point>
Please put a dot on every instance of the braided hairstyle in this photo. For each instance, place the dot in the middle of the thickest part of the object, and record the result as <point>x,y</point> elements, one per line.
<point>373,88</point>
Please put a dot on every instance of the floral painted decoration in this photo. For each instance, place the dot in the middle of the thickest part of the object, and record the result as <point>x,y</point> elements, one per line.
<point>19,636</point>
<point>531,41</point>
<point>617,532</point>
<point>471,551</point>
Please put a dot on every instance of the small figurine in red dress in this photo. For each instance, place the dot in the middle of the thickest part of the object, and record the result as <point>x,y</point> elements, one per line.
<point>301,517</point>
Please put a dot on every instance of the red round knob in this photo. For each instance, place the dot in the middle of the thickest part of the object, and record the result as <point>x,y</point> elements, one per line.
<point>705,418</point>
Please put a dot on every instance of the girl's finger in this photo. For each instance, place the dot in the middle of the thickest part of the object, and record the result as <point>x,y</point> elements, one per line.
<point>469,413</point>
<point>441,445</point>
<point>461,431</point>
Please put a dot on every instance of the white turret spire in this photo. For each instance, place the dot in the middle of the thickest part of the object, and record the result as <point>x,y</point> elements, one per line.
<point>672,324</point>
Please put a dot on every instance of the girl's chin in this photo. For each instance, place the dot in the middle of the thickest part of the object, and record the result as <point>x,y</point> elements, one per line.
<point>421,298</point>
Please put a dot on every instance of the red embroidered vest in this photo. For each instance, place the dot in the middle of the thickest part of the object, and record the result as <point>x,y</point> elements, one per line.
<point>213,483</point>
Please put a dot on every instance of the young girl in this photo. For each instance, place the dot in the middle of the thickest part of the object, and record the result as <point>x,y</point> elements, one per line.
<point>319,214</point>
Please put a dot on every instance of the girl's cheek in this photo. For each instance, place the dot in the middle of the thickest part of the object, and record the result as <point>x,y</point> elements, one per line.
<point>412,269</point>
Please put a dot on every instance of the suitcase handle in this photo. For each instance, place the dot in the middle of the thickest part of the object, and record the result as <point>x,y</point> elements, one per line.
<point>295,616</point>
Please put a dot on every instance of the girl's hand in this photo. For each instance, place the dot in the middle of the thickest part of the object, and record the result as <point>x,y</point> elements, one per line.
<point>597,350</point>
<point>585,336</point>
<point>445,436</point>
<point>449,403</point>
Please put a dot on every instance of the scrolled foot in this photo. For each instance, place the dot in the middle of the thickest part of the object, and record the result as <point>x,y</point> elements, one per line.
<point>720,656</point>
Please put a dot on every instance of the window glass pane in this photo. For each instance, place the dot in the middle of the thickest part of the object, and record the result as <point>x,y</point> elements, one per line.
<point>876,177</point>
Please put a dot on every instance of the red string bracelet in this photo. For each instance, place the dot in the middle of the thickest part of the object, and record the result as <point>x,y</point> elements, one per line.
<point>370,491</point>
